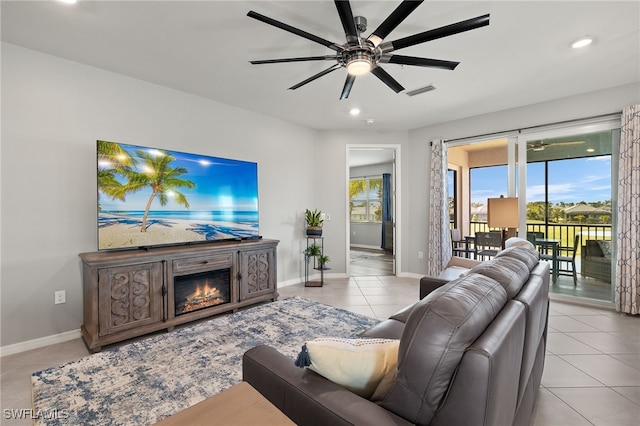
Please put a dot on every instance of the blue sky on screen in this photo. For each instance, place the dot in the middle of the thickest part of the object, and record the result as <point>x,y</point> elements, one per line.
<point>571,181</point>
<point>221,184</point>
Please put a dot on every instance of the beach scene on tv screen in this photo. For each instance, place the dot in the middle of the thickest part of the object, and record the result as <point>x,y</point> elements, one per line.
<point>149,197</point>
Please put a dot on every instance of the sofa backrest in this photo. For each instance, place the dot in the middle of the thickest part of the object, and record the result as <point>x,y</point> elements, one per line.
<point>535,298</point>
<point>510,272</point>
<point>484,392</point>
<point>526,279</point>
<point>438,331</point>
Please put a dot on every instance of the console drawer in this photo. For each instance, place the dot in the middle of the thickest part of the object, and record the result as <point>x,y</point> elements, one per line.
<point>202,263</point>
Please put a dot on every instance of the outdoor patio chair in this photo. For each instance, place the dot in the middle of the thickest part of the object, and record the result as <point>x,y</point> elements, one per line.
<point>567,260</point>
<point>488,244</point>
<point>459,245</point>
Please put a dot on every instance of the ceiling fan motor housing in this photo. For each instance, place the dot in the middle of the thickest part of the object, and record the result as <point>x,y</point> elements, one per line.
<point>361,23</point>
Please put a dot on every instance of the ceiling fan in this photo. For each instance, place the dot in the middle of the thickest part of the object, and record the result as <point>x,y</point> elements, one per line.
<point>361,55</point>
<point>542,145</point>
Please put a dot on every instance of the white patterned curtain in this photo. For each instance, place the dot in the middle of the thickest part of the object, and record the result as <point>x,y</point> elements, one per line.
<point>438,230</point>
<point>628,255</point>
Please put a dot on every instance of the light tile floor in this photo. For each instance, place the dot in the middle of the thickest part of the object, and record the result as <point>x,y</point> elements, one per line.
<point>591,375</point>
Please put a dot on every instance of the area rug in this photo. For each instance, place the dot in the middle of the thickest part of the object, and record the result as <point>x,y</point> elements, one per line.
<point>143,382</point>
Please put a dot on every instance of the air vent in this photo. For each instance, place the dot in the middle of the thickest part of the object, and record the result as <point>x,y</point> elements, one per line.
<point>424,89</point>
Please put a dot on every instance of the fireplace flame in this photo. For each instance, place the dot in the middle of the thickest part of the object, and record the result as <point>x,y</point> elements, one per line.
<point>204,295</point>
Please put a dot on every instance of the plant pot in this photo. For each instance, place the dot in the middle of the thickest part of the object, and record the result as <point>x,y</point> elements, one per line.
<point>314,231</point>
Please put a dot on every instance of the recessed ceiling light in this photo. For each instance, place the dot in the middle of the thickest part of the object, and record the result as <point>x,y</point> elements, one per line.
<point>591,150</point>
<point>69,1</point>
<point>355,111</point>
<point>581,42</point>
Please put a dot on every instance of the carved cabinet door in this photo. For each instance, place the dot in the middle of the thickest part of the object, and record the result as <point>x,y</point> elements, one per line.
<point>130,296</point>
<point>257,273</point>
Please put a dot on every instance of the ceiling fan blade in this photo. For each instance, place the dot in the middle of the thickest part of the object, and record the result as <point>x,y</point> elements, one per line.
<point>397,16</point>
<point>303,59</point>
<point>346,17</point>
<point>348,84</point>
<point>295,31</point>
<point>313,77</point>
<point>387,79</point>
<point>419,62</point>
<point>448,30</point>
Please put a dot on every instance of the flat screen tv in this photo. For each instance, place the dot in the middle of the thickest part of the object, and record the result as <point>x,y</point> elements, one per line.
<point>154,197</point>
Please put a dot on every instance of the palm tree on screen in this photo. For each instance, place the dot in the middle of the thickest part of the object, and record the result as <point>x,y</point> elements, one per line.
<point>156,173</point>
<point>112,160</point>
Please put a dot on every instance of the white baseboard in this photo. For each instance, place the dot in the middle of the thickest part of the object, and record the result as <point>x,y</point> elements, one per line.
<point>290,282</point>
<point>39,343</point>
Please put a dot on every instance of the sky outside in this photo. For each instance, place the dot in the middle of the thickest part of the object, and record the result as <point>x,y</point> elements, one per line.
<point>571,181</point>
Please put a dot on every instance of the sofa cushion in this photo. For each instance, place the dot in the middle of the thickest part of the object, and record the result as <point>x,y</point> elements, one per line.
<point>438,330</point>
<point>529,257</point>
<point>356,364</point>
<point>511,272</point>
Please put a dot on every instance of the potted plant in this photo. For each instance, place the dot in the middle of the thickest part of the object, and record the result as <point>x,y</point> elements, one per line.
<point>323,259</point>
<point>312,251</point>
<point>314,222</point>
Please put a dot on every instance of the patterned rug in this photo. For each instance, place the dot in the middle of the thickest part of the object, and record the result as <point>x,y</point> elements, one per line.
<point>145,381</point>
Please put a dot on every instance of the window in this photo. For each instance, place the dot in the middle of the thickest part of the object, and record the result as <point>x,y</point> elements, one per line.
<point>365,199</point>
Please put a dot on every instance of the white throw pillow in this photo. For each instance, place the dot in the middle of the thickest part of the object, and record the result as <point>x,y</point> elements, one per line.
<point>356,364</point>
<point>453,273</point>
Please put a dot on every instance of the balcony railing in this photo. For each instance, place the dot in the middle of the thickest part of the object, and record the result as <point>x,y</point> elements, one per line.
<point>563,232</point>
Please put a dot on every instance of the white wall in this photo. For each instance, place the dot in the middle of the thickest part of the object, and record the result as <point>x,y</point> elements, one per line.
<point>53,111</point>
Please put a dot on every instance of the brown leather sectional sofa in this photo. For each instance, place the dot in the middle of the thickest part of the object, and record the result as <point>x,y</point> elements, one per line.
<point>471,353</point>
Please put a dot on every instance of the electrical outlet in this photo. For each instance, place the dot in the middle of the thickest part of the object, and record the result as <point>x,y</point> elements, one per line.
<point>327,216</point>
<point>59,297</point>
<point>420,255</point>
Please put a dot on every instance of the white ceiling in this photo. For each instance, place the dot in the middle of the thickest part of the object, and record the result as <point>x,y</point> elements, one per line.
<point>203,48</point>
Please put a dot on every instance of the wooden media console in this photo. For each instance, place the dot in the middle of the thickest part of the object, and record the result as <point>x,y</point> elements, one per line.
<point>131,293</point>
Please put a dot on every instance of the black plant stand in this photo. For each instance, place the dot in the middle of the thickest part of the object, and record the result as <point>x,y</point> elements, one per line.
<point>307,283</point>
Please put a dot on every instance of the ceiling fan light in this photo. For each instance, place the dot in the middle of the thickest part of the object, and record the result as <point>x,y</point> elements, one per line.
<point>358,67</point>
<point>359,64</point>
<point>376,40</point>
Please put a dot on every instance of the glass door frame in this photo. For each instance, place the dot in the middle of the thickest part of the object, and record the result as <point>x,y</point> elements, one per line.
<point>519,145</point>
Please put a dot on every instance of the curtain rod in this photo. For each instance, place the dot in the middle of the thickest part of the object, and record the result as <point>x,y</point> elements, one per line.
<point>612,114</point>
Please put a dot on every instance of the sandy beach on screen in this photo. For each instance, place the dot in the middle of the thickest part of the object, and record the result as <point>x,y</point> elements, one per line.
<point>129,235</point>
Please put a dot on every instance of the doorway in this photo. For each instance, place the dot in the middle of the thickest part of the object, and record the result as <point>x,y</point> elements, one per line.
<point>372,212</point>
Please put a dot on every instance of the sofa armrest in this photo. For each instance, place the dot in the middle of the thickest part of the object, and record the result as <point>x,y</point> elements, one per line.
<point>428,284</point>
<point>306,397</point>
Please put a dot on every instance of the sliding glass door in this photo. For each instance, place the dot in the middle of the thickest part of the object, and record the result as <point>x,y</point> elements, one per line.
<point>566,204</point>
